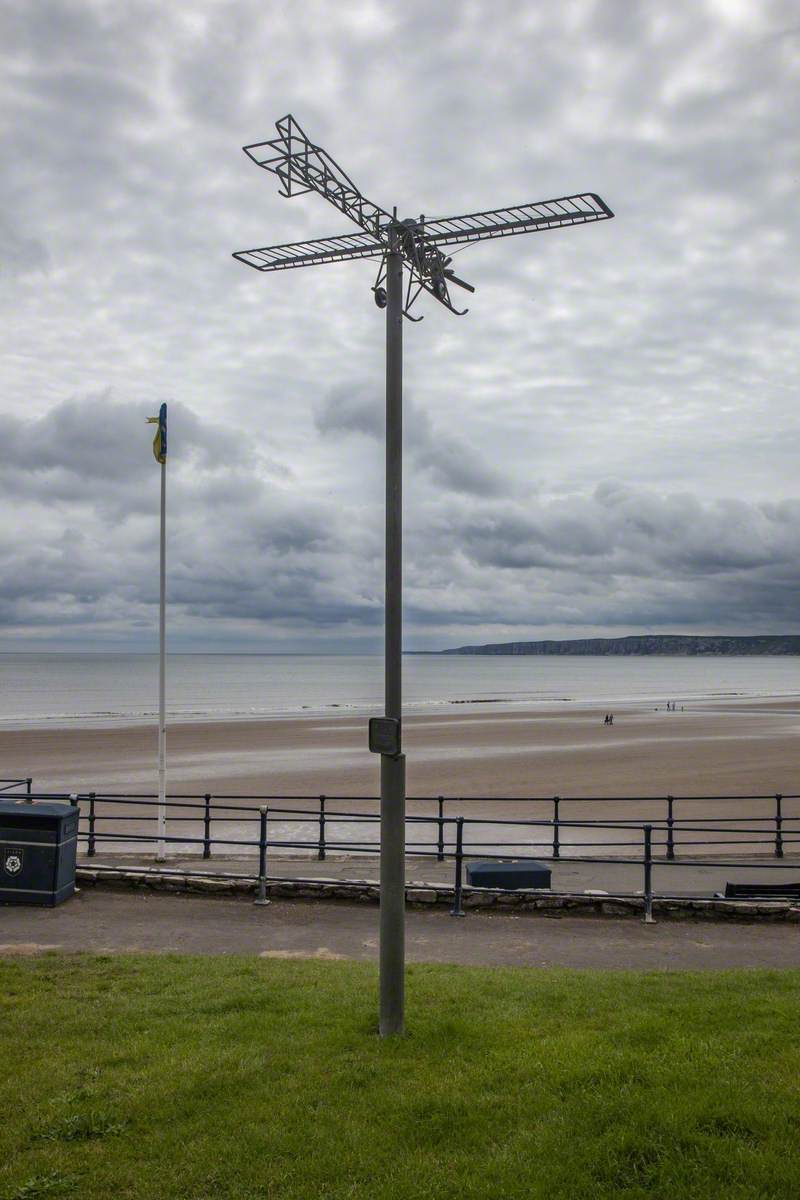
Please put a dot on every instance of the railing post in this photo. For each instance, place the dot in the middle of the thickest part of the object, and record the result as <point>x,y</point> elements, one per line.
<point>457,910</point>
<point>778,826</point>
<point>207,825</point>
<point>321,847</point>
<point>261,898</point>
<point>90,847</point>
<point>28,786</point>
<point>648,875</point>
<point>440,822</point>
<point>556,835</point>
<point>670,828</point>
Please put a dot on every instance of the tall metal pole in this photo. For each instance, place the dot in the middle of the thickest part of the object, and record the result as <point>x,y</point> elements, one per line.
<point>393,767</point>
<point>162,676</point>
<point>302,166</point>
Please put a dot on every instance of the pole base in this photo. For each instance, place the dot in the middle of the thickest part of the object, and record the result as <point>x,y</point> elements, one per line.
<point>384,1031</point>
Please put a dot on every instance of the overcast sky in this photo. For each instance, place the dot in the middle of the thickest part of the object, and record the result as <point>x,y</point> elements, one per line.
<point>607,443</point>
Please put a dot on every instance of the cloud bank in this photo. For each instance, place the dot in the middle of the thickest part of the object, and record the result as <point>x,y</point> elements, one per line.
<point>248,552</point>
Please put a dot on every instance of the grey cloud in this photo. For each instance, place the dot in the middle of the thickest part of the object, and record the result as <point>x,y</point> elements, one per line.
<point>98,439</point>
<point>635,532</point>
<point>622,557</point>
<point>241,547</point>
<point>245,549</point>
<point>20,254</point>
<point>351,408</point>
<point>440,452</point>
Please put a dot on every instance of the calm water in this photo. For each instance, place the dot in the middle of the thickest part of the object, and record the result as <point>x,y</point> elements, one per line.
<point>107,688</point>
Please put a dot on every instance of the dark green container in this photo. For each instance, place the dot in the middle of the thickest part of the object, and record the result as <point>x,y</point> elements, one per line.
<point>509,875</point>
<point>38,846</point>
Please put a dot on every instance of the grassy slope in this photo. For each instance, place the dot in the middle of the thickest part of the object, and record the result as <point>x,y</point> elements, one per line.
<point>231,1077</point>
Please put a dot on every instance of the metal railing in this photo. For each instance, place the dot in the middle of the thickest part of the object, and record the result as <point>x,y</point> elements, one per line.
<point>263,829</point>
<point>774,825</point>
<point>10,785</point>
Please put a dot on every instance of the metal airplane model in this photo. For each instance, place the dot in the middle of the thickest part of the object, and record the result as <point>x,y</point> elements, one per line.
<point>303,167</point>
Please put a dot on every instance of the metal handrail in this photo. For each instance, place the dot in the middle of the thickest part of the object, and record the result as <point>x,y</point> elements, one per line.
<point>657,838</point>
<point>8,785</point>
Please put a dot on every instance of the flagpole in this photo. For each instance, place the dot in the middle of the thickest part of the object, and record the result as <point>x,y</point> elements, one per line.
<point>162,675</point>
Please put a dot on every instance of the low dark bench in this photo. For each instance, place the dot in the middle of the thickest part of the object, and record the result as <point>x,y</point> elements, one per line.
<point>508,875</point>
<point>742,891</point>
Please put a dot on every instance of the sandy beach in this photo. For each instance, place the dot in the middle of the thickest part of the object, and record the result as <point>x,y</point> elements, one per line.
<point>736,748</point>
<point>728,748</point>
<point>725,748</point>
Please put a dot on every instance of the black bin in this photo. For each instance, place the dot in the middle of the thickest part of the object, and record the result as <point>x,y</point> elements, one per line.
<point>509,875</point>
<point>38,846</point>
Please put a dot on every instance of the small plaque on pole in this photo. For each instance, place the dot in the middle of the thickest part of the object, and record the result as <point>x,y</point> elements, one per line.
<point>384,736</point>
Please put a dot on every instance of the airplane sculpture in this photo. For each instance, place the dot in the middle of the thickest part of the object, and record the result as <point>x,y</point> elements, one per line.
<point>424,249</point>
<point>303,167</point>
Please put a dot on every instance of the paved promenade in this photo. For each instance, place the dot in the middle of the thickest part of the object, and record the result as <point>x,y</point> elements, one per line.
<point>106,921</point>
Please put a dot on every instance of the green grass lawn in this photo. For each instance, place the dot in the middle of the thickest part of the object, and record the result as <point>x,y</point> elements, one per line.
<point>222,1078</point>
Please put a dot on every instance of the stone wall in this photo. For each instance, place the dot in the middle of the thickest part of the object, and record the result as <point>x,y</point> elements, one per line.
<point>367,891</point>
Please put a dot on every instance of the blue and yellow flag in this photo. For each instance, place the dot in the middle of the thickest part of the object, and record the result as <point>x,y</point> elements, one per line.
<point>160,440</point>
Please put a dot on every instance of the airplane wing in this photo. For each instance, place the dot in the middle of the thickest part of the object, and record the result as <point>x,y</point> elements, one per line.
<point>523,218</point>
<point>306,254</point>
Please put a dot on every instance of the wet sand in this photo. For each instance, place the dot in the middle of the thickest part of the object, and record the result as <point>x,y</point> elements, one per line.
<point>725,749</point>
<point>748,748</point>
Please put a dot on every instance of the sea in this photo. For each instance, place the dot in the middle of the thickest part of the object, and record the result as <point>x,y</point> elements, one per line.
<point>98,689</point>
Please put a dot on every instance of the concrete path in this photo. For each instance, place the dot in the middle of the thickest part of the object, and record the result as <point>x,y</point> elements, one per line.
<point>108,921</point>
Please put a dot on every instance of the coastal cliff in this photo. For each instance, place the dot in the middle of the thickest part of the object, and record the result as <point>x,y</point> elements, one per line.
<point>674,644</point>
